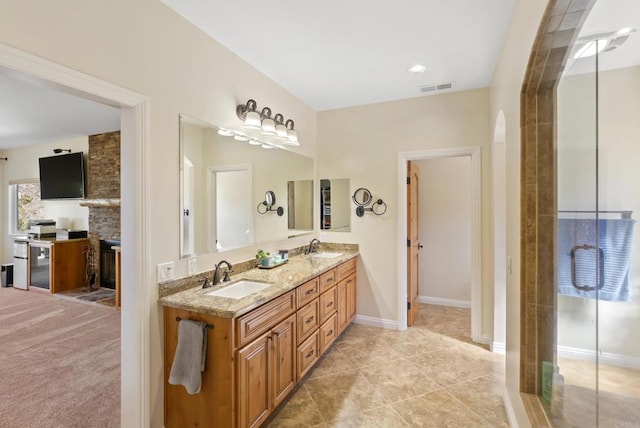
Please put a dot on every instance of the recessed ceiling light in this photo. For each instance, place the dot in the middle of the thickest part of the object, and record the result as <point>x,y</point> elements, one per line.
<point>417,69</point>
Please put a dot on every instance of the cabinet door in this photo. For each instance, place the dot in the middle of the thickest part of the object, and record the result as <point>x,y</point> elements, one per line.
<point>253,382</point>
<point>351,297</point>
<point>284,359</point>
<point>343,318</point>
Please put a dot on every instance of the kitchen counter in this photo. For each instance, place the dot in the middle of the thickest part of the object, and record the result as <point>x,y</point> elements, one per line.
<point>296,271</point>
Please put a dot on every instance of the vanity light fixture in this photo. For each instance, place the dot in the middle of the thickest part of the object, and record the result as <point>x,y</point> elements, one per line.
<point>281,129</point>
<point>255,142</point>
<point>277,127</point>
<point>225,132</point>
<point>292,135</point>
<point>58,151</point>
<point>249,115</point>
<point>268,124</point>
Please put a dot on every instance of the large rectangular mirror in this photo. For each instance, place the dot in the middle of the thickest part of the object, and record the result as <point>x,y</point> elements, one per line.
<point>335,200</point>
<point>234,194</point>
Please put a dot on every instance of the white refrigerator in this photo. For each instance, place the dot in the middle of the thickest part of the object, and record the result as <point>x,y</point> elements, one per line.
<point>20,264</point>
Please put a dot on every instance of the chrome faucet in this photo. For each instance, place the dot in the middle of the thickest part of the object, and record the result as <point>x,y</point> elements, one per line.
<point>313,246</point>
<point>216,273</point>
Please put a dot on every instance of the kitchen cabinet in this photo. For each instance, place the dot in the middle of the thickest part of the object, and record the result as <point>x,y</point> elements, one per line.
<point>57,265</point>
<point>255,360</point>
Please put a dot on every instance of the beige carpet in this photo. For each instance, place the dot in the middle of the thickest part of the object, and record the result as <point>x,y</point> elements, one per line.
<point>59,362</point>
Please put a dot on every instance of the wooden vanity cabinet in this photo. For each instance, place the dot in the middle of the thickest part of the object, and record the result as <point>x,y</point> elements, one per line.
<point>255,360</point>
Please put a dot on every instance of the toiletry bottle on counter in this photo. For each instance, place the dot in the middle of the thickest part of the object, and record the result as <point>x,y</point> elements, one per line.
<point>557,393</point>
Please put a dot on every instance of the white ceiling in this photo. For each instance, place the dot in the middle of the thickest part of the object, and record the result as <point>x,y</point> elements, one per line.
<point>32,114</point>
<point>338,53</point>
<point>331,54</point>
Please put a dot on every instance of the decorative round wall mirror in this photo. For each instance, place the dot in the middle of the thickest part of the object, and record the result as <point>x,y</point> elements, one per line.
<point>269,198</point>
<point>362,197</point>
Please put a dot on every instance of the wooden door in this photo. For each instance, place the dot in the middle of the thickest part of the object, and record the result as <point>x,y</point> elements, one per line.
<point>253,382</point>
<point>284,359</point>
<point>413,305</point>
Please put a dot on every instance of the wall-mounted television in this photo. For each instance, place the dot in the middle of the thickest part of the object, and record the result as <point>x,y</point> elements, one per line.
<point>62,176</point>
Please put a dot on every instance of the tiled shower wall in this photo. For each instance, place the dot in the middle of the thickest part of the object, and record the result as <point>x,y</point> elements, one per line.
<point>558,30</point>
<point>103,182</point>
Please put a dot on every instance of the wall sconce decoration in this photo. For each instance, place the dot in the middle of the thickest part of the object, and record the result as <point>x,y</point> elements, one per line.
<point>268,203</point>
<point>58,151</point>
<point>362,198</point>
<point>277,127</point>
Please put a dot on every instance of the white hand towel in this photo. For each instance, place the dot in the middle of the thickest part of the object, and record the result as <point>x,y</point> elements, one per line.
<point>191,355</point>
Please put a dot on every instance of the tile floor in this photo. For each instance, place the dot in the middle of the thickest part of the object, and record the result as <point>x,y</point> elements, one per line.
<point>102,296</point>
<point>618,397</point>
<point>430,375</point>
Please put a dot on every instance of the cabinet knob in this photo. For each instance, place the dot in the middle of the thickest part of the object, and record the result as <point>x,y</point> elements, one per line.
<point>309,320</point>
<point>309,355</point>
<point>329,304</point>
<point>330,333</point>
<point>309,292</point>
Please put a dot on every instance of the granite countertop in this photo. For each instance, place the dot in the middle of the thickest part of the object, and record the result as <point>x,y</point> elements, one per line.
<point>296,271</point>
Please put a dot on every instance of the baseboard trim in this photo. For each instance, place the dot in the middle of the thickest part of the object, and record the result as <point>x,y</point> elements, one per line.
<point>466,304</point>
<point>376,322</point>
<point>603,357</point>
<point>499,348</point>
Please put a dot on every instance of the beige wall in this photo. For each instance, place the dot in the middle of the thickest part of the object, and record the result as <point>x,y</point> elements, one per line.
<point>143,46</point>
<point>505,97</point>
<point>445,228</point>
<point>23,163</point>
<point>362,143</point>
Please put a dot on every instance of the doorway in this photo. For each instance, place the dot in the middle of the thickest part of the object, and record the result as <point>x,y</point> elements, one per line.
<point>135,312</point>
<point>473,155</point>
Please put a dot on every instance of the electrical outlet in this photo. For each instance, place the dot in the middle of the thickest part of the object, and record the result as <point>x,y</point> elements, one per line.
<point>165,271</point>
<point>191,265</point>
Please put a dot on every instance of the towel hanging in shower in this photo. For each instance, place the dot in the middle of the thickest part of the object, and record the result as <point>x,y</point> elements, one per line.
<point>577,240</point>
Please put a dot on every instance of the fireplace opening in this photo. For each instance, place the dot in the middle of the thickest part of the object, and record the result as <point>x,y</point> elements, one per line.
<point>108,263</point>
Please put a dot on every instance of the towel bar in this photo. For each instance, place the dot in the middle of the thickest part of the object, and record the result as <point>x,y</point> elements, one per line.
<point>209,326</point>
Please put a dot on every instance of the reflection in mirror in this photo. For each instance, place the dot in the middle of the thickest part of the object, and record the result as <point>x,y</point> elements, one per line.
<point>362,197</point>
<point>334,205</point>
<point>300,206</point>
<point>221,182</point>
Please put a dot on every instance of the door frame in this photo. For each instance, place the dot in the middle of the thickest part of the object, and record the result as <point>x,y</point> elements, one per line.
<point>474,153</point>
<point>135,396</point>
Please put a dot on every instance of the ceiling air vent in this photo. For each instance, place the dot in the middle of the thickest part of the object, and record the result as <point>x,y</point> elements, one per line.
<point>438,87</point>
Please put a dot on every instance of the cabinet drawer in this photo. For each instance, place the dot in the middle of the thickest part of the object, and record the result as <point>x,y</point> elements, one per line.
<point>308,320</point>
<point>256,322</point>
<point>328,304</point>
<point>307,292</point>
<point>307,355</point>
<point>328,333</point>
<point>346,269</point>
<point>328,280</point>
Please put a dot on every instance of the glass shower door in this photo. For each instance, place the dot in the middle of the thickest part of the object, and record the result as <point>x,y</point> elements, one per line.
<point>571,392</point>
<point>598,310</point>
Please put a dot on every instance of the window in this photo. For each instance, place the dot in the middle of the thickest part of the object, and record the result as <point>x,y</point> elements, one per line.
<point>24,204</point>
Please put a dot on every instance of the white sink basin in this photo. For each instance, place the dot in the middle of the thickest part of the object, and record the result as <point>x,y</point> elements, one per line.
<point>327,255</point>
<point>239,290</point>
